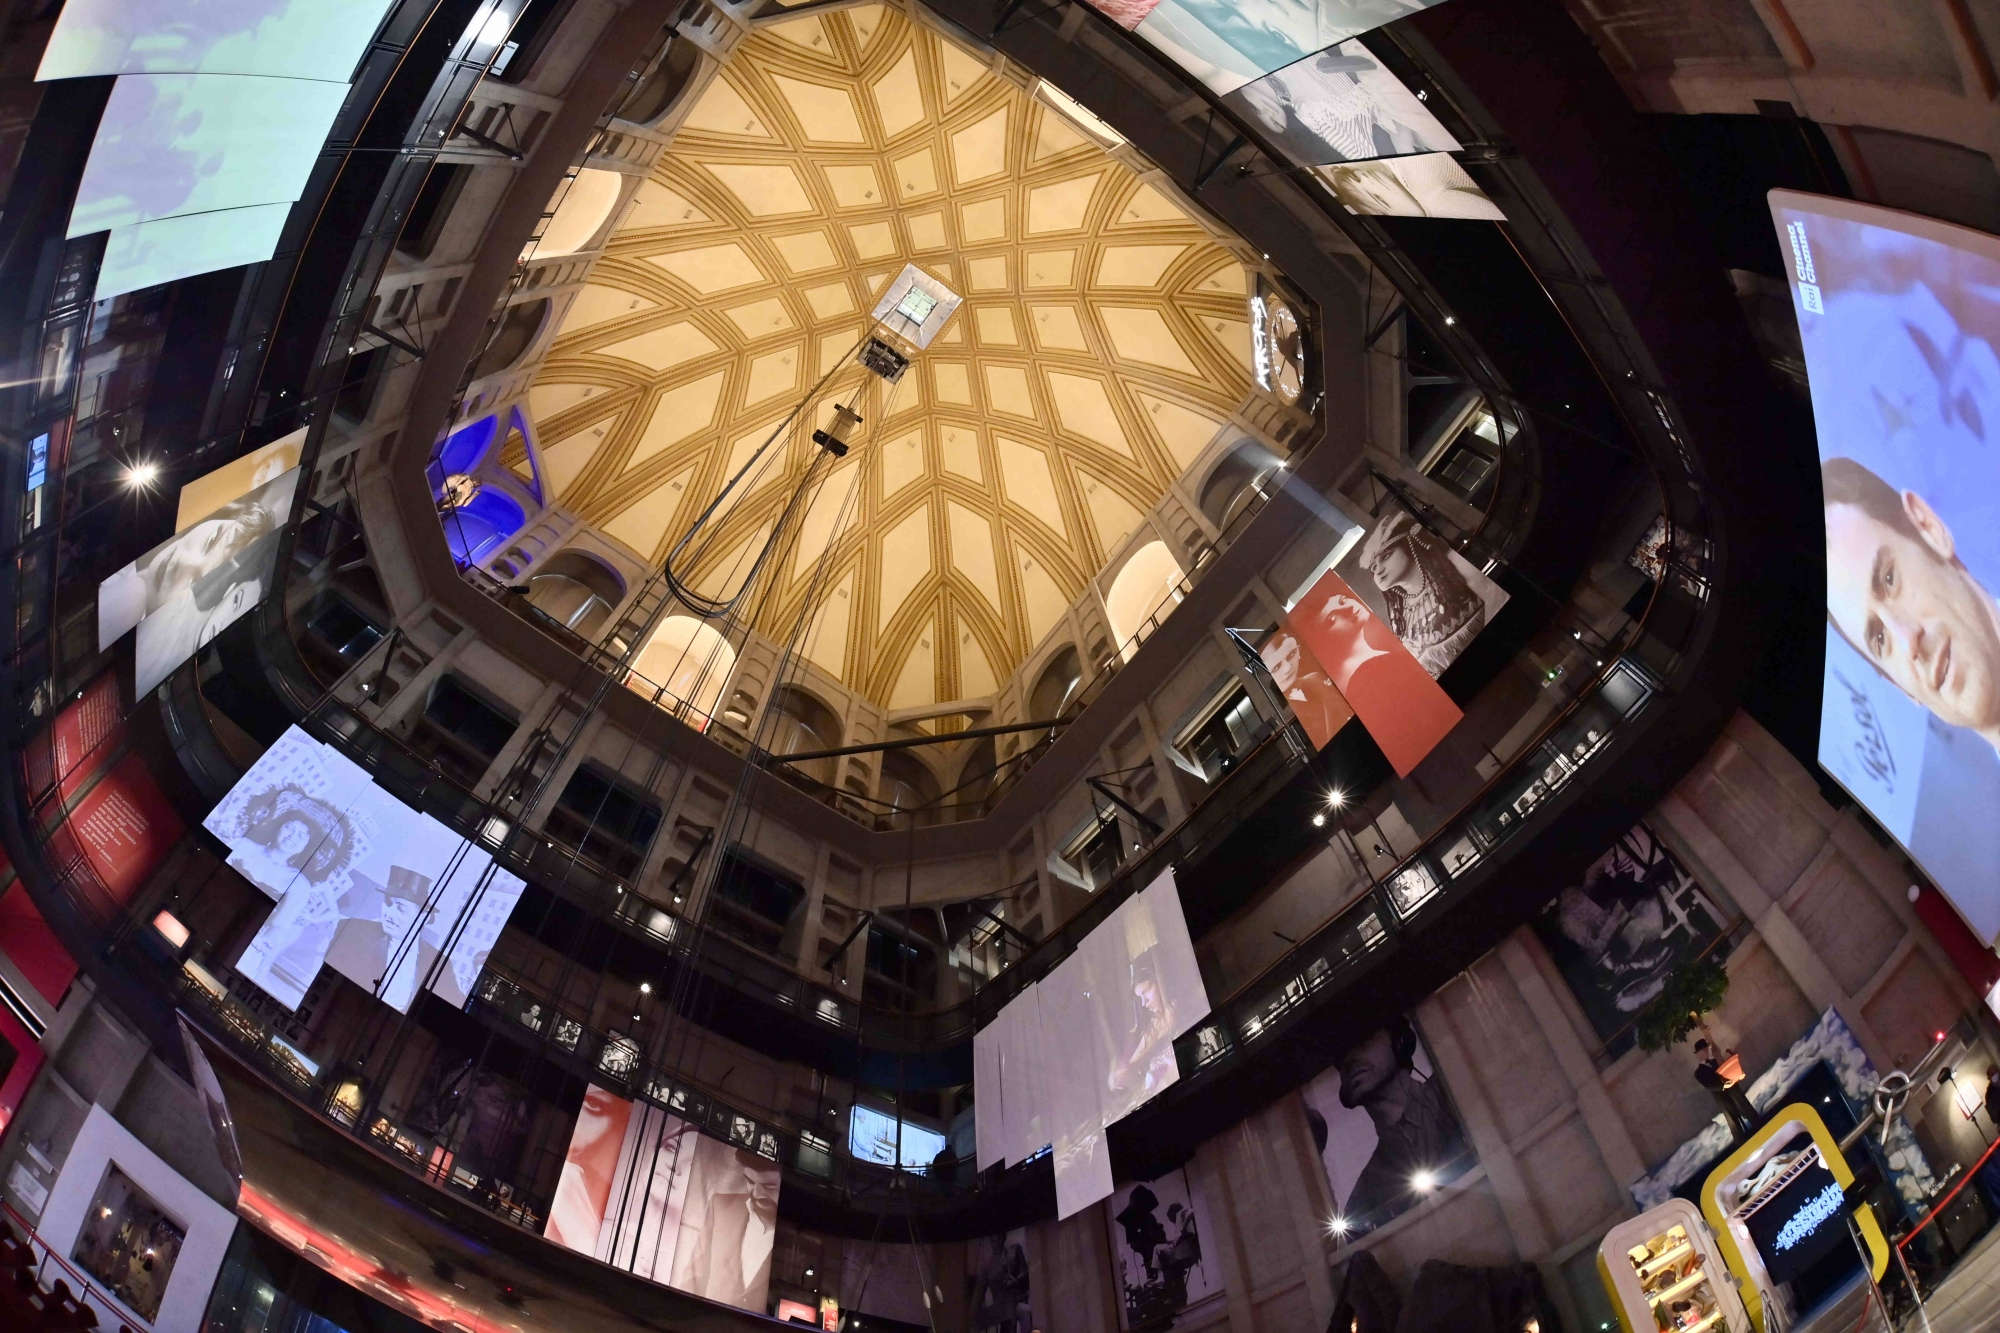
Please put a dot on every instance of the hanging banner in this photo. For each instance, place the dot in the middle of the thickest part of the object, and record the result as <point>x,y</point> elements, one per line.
<point>1403,708</point>
<point>1340,105</point>
<point>1227,43</point>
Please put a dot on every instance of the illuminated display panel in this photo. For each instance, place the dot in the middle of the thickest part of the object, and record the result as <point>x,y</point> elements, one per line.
<point>1089,1044</point>
<point>1340,105</point>
<point>295,39</point>
<point>1894,312</point>
<point>871,1137</point>
<point>363,883</point>
<point>1227,43</point>
<point>170,144</point>
<point>147,254</point>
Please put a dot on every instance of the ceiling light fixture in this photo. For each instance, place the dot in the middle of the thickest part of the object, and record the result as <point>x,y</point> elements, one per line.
<point>139,476</point>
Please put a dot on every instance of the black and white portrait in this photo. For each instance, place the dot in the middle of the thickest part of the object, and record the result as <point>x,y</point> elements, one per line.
<point>1386,1133</point>
<point>1616,936</point>
<point>1428,185</point>
<point>1426,592</point>
<point>1341,105</point>
<point>192,586</point>
<point>1156,1230</point>
<point>1000,1286</point>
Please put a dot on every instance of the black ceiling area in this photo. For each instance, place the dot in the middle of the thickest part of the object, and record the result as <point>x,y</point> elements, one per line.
<point>1600,314</point>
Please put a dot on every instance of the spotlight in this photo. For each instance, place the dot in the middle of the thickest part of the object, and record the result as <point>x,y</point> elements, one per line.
<point>1450,320</point>
<point>1319,821</point>
<point>139,476</point>
<point>645,988</point>
<point>1336,798</point>
<point>1338,1225</point>
<point>809,1272</point>
<point>1424,1181</point>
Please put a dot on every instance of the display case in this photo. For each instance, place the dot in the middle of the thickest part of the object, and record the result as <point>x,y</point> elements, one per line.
<point>1665,1272</point>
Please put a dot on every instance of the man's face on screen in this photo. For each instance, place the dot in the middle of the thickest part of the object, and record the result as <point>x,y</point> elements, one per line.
<point>398,915</point>
<point>1903,599</point>
<point>1366,1068</point>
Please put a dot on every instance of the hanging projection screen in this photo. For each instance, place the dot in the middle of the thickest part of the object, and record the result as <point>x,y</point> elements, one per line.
<point>293,39</point>
<point>1895,313</point>
<point>1227,43</point>
<point>170,144</point>
<point>1090,1043</point>
<point>1340,105</point>
<point>365,885</point>
<point>165,249</point>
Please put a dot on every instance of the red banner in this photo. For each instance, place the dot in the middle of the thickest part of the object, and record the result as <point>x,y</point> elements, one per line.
<point>125,827</point>
<point>1298,675</point>
<point>1406,711</point>
<point>32,947</point>
<point>80,730</point>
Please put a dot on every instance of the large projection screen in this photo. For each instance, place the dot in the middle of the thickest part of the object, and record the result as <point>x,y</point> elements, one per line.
<point>644,1191</point>
<point>170,144</point>
<point>1341,105</point>
<point>169,249</point>
<point>1227,43</point>
<point>1090,1043</point>
<point>294,39</point>
<point>1894,312</point>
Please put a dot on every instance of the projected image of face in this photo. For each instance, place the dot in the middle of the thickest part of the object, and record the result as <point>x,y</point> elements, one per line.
<point>1896,317</point>
<point>1898,592</point>
<point>1386,1133</point>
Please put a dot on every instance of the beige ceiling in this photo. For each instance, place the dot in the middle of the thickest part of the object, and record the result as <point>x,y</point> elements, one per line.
<point>1102,345</point>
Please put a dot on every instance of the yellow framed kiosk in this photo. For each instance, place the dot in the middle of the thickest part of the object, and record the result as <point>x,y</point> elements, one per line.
<point>1664,1270</point>
<point>1777,1208</point>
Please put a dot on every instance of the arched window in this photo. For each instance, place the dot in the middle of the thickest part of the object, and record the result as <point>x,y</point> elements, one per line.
<point>653,94</point>
<point>515,333</point>
<point>691,660</point>
<point>585,206</point>
<point>577,591</point>
<point>975,775</point>
<point>1236,482</point>
<point>1056,686</point>
<point>1147,586</point>
<point>802,724</point>
<point>909,784</point>
<point>481,524</point>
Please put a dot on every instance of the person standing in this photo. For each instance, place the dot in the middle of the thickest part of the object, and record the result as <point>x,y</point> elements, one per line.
<point>1728,1092</point>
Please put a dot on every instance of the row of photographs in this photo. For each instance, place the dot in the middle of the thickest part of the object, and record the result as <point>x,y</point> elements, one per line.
<point>389,898</point>
<point>1385,1128</point>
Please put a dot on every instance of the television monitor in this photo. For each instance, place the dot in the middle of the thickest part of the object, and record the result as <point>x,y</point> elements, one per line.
<point>871,1137</point>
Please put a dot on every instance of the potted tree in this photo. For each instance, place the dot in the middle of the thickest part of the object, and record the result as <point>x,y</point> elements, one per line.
<point>1693,990</point>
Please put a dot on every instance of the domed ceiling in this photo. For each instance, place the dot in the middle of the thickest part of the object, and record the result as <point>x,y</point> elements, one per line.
<point>1102,345</point>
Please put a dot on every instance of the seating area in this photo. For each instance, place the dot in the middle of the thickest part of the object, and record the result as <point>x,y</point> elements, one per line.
<point>36,1292</point>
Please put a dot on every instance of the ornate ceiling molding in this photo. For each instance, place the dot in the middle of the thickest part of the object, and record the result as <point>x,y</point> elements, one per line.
<point>1102,345</point>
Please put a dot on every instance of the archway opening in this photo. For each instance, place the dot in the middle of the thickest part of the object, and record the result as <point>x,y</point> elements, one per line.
<point>686,663</point>
<point>1146,588</point>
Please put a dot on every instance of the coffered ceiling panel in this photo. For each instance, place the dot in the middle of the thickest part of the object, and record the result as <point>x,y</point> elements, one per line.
<point>1103,343</point>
